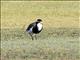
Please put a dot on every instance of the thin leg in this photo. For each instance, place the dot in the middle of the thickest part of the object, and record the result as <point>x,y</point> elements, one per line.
<point>31,36</point>
<point>35,37</point>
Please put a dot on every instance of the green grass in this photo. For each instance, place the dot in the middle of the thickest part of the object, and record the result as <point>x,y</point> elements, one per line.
<point>53,44</point>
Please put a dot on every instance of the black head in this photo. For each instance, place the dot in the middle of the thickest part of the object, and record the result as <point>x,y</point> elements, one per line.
<point>39,20</point>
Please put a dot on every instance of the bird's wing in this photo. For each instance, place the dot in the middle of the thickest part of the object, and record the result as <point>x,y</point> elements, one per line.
<point>31,26</point>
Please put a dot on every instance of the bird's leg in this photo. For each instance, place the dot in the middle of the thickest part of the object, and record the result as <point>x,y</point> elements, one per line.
<point>31,36</point>
<point>35,37</point>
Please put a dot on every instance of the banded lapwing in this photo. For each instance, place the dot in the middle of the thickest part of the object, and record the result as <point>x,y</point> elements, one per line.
<point>35,28</point>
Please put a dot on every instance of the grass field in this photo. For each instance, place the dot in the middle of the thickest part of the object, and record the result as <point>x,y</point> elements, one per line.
<point>59,39</point>
<point>55,45</point>
<point>59,14</point>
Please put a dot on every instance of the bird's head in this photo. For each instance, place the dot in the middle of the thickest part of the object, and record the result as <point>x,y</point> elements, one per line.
<point>39,20</point>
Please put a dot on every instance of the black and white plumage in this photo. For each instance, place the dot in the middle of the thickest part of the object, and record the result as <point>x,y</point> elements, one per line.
<point>35,28</point>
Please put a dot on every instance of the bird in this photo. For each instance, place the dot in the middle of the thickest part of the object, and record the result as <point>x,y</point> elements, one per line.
<point>35,28</point>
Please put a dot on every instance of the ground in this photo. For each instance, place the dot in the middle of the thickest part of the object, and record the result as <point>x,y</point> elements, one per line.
<point>50,45</point>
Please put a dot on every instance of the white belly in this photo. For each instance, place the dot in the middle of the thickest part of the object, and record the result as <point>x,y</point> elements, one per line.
<point>39,25</point>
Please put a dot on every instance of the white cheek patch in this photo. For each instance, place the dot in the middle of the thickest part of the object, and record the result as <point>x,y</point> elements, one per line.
<point>39,25</point>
